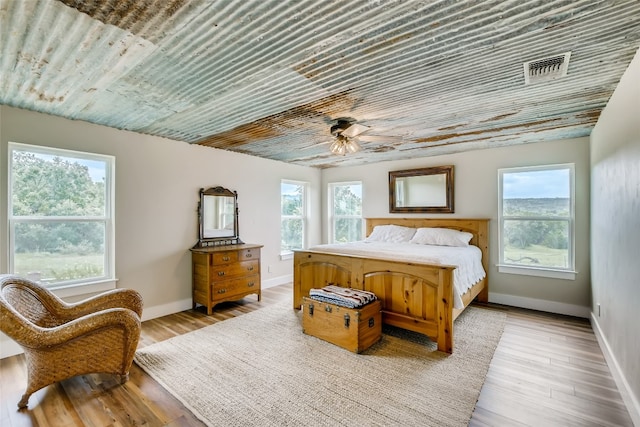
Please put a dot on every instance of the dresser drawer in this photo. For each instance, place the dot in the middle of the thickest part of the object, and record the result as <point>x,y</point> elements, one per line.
<point>247,254</point>
<point>237,269</point>
<point>224,257</point>
<point>225,273</point>
<point>241,285</point>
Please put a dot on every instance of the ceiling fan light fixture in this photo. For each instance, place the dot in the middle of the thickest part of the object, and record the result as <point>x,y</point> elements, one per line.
<point>352,146</point>
<point>343,145</point>
<point>338,147</point>
<point>345,132</point>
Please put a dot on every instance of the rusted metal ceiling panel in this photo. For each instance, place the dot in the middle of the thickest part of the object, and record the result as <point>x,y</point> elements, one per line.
<point>270,77</point>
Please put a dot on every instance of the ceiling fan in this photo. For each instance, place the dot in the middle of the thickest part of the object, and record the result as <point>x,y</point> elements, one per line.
<point>346,132</point>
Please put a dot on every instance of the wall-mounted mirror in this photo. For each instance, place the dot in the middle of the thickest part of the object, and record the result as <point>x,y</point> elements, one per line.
<point>218,217</point>
<point>421,190</point>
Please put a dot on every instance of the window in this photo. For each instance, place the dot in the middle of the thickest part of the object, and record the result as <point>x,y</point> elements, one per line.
<point>536,216</point>
<point>60,216</point>
<point>293,215</point>
<point>345,212</point>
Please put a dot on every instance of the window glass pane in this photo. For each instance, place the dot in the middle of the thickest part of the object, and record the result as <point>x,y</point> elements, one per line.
<point>541,193</point>
<point>537,217</point>
<point>60,218</point>
<point>46,185</point>
<point>536,243</point>
<point>292,199</point>
<point>59,251</point>
<point>347,200</point>
<point>291,233</point>
<point>346,212</point>
<point>347,230</point>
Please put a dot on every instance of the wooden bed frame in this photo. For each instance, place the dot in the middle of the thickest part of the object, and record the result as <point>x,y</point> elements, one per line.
<point>414,296</point>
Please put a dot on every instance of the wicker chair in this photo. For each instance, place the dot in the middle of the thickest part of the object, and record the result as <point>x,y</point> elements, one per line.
<point>60,340</point>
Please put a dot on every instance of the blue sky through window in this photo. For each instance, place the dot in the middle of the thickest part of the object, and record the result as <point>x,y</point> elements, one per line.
<point>552,183</point>
<point>287,189</point>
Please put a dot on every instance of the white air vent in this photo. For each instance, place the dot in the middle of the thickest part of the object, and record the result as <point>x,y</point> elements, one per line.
<point>542,70</point>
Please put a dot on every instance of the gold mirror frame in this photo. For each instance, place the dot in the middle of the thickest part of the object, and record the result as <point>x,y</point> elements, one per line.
<point>424,190</point>
<point>218,217</point>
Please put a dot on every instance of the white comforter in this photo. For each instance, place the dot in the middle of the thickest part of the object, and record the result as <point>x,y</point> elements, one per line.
<point>467,260</point>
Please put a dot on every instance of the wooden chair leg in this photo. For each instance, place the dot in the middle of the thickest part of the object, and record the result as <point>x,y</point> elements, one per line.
<point>24,401</point>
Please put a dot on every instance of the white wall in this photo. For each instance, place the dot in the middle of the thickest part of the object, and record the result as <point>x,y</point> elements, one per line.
<point>476,196</point>
<point>157,184</point>
<point>615,229</point>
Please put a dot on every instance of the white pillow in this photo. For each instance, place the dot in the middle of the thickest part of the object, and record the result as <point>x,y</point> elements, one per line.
<point>391,234</point>
<point>441,237</point>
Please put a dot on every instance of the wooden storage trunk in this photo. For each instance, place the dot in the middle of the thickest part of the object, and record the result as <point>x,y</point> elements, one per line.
<point>354,329</point>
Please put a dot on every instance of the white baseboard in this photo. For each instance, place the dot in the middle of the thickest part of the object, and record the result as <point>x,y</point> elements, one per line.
<point>540,305</point>
<point>175,307</point>
<point>149,313</point>
<point>8,347</point>
<point>276,281</point>
<point>629,399</point>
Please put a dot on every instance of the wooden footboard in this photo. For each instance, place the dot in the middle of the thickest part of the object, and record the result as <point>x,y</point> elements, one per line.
<point>414,296</point>
<point>418,297</point>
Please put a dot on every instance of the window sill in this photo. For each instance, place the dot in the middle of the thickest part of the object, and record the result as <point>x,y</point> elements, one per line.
<point>76,289</point>
<point>286,256</point>
<point>538,272</point>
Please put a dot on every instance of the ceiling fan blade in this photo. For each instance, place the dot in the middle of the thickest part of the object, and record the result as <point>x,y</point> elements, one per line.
<point>380,138</point>
<point>316,145</point>
<point>354,130</point>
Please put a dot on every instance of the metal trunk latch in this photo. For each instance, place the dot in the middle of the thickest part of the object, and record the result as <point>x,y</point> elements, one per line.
<point>347,320</point>
<point>310,309</point>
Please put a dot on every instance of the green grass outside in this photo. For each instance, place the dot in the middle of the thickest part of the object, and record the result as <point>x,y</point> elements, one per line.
<point>56,267</point>
<point>536,255</point>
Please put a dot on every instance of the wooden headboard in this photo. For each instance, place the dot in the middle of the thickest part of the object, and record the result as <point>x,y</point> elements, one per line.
<point>479,227</point>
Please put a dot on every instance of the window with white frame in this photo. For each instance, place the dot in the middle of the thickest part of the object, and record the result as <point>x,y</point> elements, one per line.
<point>60,215</point>
<point>536,218</point>
<point>293,216</point>
<point>345,212</point>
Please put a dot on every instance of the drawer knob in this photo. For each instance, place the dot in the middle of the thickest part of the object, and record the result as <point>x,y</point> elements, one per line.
<point>225,258</point>
<point>250,284</point>
<point>250,268</point>
<point>249,255</point>
<point>220,273</point>
<point>222,291</point>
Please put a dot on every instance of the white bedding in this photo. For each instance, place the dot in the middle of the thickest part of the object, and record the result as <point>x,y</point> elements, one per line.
<point>467,260</point>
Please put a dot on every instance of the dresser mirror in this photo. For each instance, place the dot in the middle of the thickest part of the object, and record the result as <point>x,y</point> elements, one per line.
<point>218,217</point>
<point>421,190</point>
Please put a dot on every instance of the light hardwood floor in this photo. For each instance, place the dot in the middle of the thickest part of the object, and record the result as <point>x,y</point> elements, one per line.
<point>547,371</point>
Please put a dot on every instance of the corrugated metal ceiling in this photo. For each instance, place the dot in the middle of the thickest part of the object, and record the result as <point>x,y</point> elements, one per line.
<point>269,77</point>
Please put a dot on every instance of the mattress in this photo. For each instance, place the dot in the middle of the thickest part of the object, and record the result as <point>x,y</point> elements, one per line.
<point>467,259</point>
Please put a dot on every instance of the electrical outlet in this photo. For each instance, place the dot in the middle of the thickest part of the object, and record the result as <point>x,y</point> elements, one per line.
<point>268,269</point>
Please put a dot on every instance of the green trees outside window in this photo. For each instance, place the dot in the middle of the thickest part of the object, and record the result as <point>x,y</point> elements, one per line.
<point>293,207</point>
<point>536,217</point>
<point>60,214</point>
<point>346,212</point>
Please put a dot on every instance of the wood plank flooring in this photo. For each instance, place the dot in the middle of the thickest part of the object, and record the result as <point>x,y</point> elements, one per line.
<point>547,371</point>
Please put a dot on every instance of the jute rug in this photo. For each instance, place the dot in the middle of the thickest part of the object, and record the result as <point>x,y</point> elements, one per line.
<point>260,369</point>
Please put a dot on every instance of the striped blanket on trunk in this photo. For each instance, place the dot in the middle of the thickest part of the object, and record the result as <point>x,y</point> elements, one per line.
<point>344,297</point>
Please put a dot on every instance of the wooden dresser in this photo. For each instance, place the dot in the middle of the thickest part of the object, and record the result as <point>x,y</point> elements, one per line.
<point>225,273</point>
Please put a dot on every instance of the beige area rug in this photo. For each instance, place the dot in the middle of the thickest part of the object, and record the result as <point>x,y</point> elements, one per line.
<point>260,369</point>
